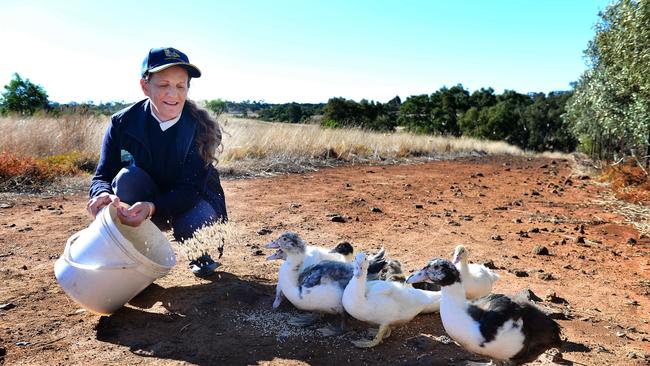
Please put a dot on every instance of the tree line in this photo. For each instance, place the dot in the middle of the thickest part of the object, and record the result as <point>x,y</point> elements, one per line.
<point>531,121</point>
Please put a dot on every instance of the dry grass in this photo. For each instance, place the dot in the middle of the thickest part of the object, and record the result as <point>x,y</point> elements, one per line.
<point>636,215</point>
<point>629,180</point>
<point>46,136</point>
<point>250,147</point>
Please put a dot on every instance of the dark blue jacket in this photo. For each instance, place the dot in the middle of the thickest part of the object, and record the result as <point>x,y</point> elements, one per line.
<point>127,133</point>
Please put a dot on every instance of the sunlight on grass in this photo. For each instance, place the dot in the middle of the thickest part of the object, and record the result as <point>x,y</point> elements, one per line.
<point>250,147</point>
<point>281,143</point>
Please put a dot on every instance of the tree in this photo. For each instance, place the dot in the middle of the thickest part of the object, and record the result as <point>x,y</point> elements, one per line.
<point>610,107</point>
<point>343,112</point>
<point>546,129</point>
<point>216,106</point>
<point>415,113</point>
<point>448,105</point>
<point>483,98</point>
<point>294,113</point>
<point>23,96</point>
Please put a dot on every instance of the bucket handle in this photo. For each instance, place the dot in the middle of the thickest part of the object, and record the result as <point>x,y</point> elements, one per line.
<point>68,258</point>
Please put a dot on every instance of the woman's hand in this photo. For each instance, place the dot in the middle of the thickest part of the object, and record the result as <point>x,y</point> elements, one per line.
<point>136,214</point>
<point>104,199</point>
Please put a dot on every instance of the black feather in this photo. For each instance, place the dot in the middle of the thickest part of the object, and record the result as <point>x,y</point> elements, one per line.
<point>491,312</point>
<point>426,286</point>
<point>377,262</point>
<point>540,331</point>
<point>339,272</point>
<point>344,248</point>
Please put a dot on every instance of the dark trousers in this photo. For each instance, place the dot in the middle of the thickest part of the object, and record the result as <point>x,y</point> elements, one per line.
<point>132,184</point>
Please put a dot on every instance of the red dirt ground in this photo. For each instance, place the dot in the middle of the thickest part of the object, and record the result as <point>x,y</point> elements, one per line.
<point>426,210</point>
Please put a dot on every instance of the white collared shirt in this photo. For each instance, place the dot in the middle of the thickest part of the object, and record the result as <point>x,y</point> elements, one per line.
<point>167,124</point>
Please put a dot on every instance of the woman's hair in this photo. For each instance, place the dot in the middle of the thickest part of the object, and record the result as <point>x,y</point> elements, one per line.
<point>208,133</point>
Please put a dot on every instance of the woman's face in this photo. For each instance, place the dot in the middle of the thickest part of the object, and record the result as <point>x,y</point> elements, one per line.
<point>167,90</point>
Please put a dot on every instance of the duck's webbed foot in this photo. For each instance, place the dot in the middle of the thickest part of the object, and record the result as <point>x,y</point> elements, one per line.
<point>203,266</point>
<point>372,332</point>
<point>278,297</point>
<point>366,343</point>
<point>335,330</point>
<point>304,320</point>
<point>490,363</point>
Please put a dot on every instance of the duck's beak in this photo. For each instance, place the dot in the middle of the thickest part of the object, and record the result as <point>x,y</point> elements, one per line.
<point>277,255</point>
<point>419,276</point>
<point>272,245</point>
<point>456,258</point>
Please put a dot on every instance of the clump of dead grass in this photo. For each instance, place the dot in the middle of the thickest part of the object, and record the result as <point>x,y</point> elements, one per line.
<point>32,174</point>
<point>635,214</point>
<point>629,181</point>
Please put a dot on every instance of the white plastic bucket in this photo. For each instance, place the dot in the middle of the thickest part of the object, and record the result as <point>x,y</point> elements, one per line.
<point>108,263</point>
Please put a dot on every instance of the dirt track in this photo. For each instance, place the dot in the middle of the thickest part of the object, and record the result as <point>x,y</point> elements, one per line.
<point>426,209</point>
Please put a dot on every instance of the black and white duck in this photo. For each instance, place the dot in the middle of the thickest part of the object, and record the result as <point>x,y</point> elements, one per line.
<point>342,252</point>
<point>511,331</point>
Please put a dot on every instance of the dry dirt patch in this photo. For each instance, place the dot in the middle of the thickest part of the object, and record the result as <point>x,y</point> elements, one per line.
<point>501,208</point>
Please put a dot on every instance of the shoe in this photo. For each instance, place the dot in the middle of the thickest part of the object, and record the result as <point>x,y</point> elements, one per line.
<point>203,266</point>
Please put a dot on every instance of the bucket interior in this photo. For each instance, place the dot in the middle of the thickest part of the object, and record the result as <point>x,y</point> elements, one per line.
<point>148,240</point>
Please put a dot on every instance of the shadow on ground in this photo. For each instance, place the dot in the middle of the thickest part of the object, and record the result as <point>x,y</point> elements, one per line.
<point>196,324</point>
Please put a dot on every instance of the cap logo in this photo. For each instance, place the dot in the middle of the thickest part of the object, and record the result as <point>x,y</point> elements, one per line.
<point>171,53</point>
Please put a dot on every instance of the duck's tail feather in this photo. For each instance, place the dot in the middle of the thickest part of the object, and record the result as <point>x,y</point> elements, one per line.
<point>377,262</point>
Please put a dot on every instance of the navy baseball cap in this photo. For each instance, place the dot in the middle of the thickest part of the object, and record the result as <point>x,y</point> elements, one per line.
<point>159,59</point>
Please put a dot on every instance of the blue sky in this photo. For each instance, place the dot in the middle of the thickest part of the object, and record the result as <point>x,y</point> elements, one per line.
<point>304,51</point>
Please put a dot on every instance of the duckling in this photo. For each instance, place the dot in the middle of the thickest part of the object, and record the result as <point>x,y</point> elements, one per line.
<point>504,329</point>
<point>342,252</point>
<point>319,287</point>
<point>477,279</point>
<point>392,271</point>
<point>384,303</point>
<point>345,249</point>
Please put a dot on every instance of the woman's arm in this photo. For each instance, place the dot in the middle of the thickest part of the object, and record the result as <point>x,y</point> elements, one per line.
<point>109,162</point>
<point>101,193</point>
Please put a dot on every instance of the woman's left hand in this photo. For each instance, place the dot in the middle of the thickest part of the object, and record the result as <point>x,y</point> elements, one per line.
<point>136,214</point>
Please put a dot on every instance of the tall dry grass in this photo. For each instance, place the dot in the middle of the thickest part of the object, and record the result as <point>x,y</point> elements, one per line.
<point>43,136</point>
<point>250,147</point>
<point>254,145</point>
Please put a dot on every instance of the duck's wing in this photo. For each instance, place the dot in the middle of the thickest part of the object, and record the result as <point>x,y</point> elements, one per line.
<point>479,270</point>
<point>381,288</point>
<point>540,330</point>
<point>326,272</point>
<point>491,312</point>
